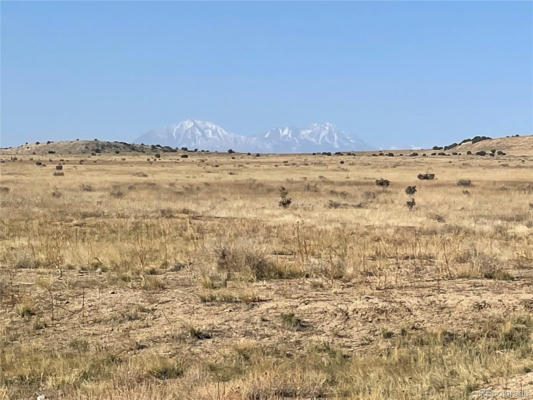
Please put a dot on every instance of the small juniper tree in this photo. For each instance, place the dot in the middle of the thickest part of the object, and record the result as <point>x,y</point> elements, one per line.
<point>383,183</point>
<point>410,190</point>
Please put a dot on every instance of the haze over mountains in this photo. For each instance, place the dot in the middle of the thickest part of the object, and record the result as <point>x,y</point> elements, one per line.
<point>204,135</point>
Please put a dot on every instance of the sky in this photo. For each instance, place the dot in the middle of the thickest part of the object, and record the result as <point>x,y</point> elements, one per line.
<point>395,74</point>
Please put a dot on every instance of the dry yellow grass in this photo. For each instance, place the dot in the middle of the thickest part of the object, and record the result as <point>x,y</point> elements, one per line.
<point>185,278</point>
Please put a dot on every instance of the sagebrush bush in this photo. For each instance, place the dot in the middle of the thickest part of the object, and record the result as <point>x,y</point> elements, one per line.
<point>249,265</point>
<point>285,201</point>
<point>464,182</point>
<point>426,176</point>
<point>116,192</point>
<point>382,183</point>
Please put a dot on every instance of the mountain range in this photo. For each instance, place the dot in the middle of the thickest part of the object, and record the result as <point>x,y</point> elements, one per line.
<point>203,135</point>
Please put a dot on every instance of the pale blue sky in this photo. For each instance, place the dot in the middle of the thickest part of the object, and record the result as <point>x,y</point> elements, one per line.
<point>395,74</point>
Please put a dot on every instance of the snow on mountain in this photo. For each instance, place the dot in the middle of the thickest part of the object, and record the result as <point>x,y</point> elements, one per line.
<point>196,135</point>
<point>208,136</point>
<point>280,140</point>
<point>316,138</point>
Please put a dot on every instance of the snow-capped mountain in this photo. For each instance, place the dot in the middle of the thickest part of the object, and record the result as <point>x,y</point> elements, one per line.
<point>208,136</point>
<point>315,138</point>
<point>195,135</point>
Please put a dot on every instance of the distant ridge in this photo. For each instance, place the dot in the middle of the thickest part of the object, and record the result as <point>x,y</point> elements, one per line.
<point>511,145</point>
<point>80,147</point>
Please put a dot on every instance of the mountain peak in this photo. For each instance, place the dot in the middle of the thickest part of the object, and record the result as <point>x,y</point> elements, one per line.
<point>190,123</point>
<point>323,125</point>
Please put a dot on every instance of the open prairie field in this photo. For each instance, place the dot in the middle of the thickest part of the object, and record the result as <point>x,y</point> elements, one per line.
<point>244,277</point>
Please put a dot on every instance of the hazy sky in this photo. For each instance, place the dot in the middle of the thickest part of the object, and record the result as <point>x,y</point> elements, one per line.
<point>395,74</point>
